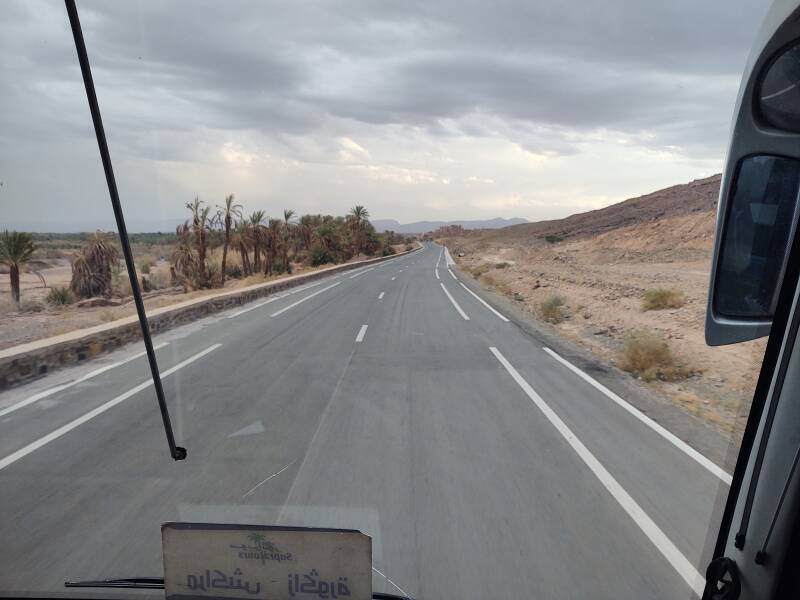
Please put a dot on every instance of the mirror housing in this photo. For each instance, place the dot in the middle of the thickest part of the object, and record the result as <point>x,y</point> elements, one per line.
<point>758,202</point>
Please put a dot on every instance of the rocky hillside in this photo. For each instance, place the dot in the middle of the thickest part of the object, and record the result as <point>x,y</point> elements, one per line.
<point>695,201</point>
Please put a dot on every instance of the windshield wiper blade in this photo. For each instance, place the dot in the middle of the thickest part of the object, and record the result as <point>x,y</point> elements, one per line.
<point>157,583</point>
<point>142,583</point>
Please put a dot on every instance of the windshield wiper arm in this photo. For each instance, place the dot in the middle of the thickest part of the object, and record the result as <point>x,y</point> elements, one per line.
<point>143,583</point>
<point>157,583</point>
<point>177,452</point>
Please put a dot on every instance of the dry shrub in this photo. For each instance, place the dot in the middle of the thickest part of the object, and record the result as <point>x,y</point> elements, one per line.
<point>160,279</point>
<point>479,270</point>
<point>495,283</point>
<point>213,269</point>
<point>7,305</point>
<point>31,305</point>
<point>659,299</point>
<point>121,284</point>
<point>93,267</point>
<point>552,308</point>
<point>59,296</point>
<point>502,265</point>
<point>647,355</point>
<point>106,316</point>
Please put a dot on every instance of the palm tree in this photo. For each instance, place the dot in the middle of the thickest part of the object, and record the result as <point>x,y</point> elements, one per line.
<point>305,230</point>
<point>325,235</point>
<point>286,237</point>
<point>16,248</point>
<point>201,222</point>
<point>257,236</point>
<point>183,261</point>
<point>225,216</point>
<point>92,266</point>
<point>240,242</point>
<point>359,216</point>
<point>272,247</point>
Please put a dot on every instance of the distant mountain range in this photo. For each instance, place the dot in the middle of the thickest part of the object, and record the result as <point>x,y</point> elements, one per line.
<point>424,226</point>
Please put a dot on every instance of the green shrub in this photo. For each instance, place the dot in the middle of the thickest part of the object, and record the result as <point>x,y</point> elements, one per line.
<point>659,299</point>
<point>319,256</point>
<point>553,308</point>
<point>59,296</point>
<point>553,238</point>
<point>145,267</point>
<point>502,265</point>
<point>648,356</point>
<point>233,270</point>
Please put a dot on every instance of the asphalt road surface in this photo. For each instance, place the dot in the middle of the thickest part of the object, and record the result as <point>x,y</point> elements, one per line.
<point>391,399</point>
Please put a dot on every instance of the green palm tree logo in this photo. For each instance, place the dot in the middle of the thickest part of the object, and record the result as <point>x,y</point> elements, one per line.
<point>256,538</point>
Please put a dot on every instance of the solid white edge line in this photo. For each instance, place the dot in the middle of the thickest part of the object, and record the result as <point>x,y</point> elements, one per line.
<point>69,384</point>
<point>305,287</point>
<point>723,475</point>
<point>249,308</point>
<point>653,532</point>
<point>293,304</point>
<point>274,298</point>
<point>451,274</point>
<point>453,300</point>
<point>361,273</point>
<point>361,333</point>
<point>53,435</point>
<point>380,296</point>
<point>437,273</point>
<point>448,259</point>
<point>482,301</point>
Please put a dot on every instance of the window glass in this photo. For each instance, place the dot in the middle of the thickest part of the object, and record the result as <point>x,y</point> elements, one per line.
<point>355,226</point>
<point>760,221</point>
<point>779,93</point>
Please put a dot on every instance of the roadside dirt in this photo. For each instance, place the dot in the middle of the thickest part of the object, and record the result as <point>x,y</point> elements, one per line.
<point>39,320</point>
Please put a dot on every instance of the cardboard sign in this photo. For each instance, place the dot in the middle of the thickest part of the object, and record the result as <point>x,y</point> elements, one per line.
<point>204,560</point>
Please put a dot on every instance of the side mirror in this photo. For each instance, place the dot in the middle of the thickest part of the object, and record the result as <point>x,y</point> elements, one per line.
<point>759,201</point>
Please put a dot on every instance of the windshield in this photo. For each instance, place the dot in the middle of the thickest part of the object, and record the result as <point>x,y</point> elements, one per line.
<point>435,272</point>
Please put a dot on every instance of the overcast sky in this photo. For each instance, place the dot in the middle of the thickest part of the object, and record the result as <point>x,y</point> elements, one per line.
<point>417,110</point>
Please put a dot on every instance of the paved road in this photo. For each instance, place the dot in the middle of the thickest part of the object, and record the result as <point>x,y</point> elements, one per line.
<point>390,400</point>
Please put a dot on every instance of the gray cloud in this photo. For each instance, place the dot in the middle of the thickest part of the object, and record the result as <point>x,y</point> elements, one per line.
<point>540,74</point>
